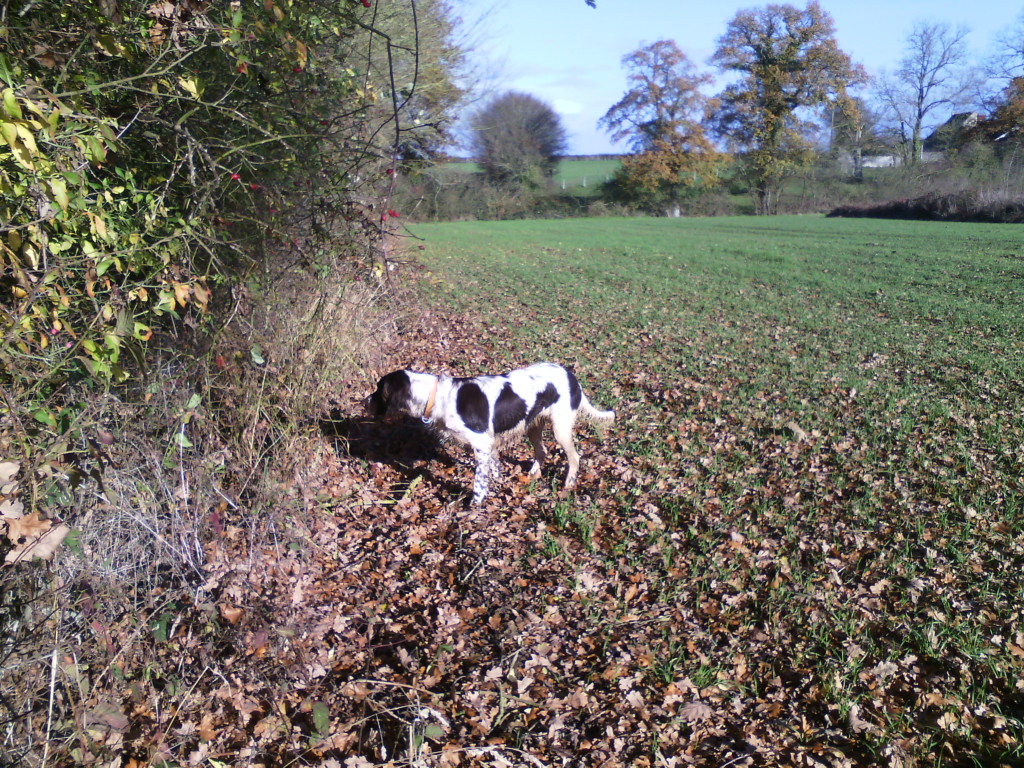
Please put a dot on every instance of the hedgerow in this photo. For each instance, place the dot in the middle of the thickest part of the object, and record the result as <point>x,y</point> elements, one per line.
<point>195,225</point>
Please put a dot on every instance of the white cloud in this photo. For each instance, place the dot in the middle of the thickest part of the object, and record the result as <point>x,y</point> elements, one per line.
<point>567,107</point>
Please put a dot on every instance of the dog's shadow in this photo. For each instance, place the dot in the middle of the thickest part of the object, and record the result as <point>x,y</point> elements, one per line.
<point>404,444</point>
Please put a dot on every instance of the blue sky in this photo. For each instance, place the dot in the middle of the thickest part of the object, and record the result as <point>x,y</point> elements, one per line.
<point>570,55</point>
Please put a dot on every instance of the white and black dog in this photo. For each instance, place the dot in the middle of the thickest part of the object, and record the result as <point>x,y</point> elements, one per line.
<point>489,411</point>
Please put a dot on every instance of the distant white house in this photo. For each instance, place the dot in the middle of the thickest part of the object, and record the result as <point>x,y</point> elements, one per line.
<point>888,161</point>
<point>935,145</point>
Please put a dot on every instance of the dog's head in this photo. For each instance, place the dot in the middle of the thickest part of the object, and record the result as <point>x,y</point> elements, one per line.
<point>393,395</point>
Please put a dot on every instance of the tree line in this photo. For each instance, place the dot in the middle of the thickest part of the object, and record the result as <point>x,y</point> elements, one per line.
<point>790,82</point>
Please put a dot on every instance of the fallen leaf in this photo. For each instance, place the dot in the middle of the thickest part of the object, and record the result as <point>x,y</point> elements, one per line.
<point>34,537</point>
<point>12,509</point>
<point>8,469</point>
<point>695,712</point>
<point>798,433</point>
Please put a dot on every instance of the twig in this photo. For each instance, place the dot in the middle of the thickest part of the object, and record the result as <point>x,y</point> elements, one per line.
<point>53,684</point>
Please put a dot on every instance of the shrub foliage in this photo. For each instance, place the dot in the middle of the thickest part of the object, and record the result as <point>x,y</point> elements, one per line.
<point>175,179</point>
<point>150,152</point>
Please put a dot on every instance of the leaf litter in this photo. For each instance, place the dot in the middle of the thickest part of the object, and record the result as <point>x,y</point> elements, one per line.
<point>742,577</point>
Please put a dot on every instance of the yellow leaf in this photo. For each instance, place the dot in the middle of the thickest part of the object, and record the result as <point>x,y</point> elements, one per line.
<point>60,193</point>
<point>11,106</point>
<point>27,138</point>
<point>181,292</point>
<point>189,84</point>
<point>201,294</point>
<point>21,152</point>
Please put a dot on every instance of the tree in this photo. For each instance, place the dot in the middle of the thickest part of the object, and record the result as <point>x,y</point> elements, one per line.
<point>664,102</point>
<point>854,132</point>
<point>1007,60</point>
<point>1006,123</point>
<point>517,139</point>
<point>788,62</point>
<point>662,115</point>
<point>931,76</point>
<point>418,46</point>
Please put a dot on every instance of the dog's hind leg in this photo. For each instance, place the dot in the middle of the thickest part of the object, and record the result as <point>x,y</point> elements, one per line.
<point>535,435</point>
<point>563,436</point>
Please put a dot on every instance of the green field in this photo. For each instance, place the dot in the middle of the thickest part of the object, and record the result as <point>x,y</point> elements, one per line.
<point>583,177</point>
<point>579,177</point>
<point>814,485</point>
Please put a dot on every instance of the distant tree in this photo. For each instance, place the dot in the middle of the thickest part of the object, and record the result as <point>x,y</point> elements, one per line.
<point>664,101</point>
<point>789,63</point>
<point>1007,60</point>
<point>1007,119</point>
<point>931,77</point>
<point>855,130</point>
<point>517,139</point>
<point>662,116</point>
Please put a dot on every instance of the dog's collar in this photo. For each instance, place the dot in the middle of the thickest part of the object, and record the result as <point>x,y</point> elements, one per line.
<point>430,402</point>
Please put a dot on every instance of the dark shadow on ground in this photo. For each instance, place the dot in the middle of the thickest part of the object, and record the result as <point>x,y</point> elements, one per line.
<point>404,444</point>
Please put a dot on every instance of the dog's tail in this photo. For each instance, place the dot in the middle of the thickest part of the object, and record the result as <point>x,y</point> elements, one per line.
<point>592,413</point>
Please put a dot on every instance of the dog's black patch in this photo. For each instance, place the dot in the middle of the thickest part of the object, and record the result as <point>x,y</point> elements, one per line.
<point>472,406</point>
<point>547,397</point>
<point>575,391</point>
<point>509,410</point>
<point>392,394</point>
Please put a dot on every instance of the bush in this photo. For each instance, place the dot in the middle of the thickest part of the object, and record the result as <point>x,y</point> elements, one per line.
<point>966,205</point>
<point>194,243</point>
<point>517,139</point>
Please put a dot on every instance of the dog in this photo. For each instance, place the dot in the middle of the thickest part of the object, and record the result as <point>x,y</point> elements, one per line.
<point>488,412</point>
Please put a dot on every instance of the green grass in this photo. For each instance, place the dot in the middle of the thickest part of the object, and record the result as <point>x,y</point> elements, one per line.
<point>577,177</point>
<point>825,419</point>
<point>584,177</point>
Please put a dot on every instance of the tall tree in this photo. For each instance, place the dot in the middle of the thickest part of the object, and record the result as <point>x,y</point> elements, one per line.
<point>517,138</point>
<point>662,115</point>
<point>789,62</point>
<point>664,101</point>
<point>932,76</point>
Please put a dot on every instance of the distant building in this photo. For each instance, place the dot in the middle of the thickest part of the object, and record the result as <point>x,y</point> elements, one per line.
<point>948,135</point>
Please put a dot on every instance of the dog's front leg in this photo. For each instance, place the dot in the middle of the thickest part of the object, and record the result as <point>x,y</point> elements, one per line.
<point>486,470</point>
<point>535,435</point>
